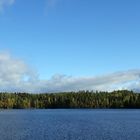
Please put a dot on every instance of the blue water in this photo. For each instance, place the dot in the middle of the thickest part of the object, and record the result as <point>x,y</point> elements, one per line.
<point>70,124</point>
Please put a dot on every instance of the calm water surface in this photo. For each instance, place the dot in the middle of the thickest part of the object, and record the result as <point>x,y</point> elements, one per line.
<point>70,124</point>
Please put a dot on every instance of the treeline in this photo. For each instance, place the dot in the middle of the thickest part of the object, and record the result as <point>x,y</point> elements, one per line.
<point>81,99</point>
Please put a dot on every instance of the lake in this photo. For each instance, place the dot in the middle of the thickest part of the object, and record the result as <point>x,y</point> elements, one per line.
<point>70,124</point>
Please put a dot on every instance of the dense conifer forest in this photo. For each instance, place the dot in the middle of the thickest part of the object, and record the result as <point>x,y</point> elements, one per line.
<point>81,99</point>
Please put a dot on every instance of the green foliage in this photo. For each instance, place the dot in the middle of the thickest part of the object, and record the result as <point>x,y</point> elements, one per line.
<point>81,99</point>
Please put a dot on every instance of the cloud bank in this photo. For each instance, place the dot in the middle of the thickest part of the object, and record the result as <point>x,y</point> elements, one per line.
<point>5,3</point>
<point>17,76</point>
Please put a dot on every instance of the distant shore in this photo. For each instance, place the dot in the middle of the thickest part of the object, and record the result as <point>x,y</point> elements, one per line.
<point>121,99</point>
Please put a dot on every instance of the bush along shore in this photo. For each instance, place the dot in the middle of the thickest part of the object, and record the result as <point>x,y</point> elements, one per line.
<point>81,99</point>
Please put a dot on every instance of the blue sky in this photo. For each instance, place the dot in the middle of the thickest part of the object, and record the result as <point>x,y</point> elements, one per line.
<point>78,38</point>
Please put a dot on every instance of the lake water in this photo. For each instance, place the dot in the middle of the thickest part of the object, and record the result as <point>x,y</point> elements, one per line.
<point>63,124</point>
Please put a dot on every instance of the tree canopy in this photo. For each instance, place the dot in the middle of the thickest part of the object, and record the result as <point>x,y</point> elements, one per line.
<point>81,99</point>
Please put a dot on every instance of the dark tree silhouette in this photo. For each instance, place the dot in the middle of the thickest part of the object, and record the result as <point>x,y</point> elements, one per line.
<point>81,99</point>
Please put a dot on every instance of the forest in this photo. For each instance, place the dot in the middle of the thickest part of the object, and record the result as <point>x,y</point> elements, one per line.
<point>80,99</point>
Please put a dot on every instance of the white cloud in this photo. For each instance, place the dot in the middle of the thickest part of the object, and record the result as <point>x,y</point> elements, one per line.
<point>5,3</point>
<point>16,76</point>
<point>109,82</point>
<point>14,73</point>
